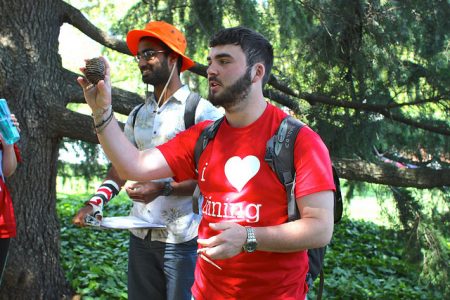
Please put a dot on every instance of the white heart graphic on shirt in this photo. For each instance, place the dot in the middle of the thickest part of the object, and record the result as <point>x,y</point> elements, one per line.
<point>239,171</point>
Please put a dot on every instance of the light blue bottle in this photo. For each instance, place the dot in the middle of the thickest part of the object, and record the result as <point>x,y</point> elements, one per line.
<point>8,130</point>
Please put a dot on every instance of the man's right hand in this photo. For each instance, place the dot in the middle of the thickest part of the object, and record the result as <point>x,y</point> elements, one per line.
<point>82,213</point>
<point>98,96</point>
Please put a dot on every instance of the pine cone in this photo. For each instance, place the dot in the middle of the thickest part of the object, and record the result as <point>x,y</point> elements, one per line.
<point>95,70</point>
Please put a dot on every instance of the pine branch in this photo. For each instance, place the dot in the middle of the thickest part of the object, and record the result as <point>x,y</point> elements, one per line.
<point>75,17</point>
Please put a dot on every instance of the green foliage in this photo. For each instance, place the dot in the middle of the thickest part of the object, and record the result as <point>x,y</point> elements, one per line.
<point>365,261</point>
<point>95,261</point>
<point>436,257</point>
<point>87,153</point>
<point>366,52</point>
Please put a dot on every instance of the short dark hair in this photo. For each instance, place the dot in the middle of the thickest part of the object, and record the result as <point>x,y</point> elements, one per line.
<point>255,46</point>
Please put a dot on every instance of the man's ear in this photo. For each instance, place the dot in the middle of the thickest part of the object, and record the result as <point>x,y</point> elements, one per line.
<point>259,70</point>
<point>173,58</point>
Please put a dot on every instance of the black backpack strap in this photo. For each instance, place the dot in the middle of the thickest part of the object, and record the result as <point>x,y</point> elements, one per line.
<point>321,284</point>
<point>338,203</point>
<point>135,113</point>
<point>208,133</point>
<point>189,112</point>
<point>280,157</point>
<point>195,197</point>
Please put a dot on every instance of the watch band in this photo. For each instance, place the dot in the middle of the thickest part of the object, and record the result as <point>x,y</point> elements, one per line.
<point>251,243</point>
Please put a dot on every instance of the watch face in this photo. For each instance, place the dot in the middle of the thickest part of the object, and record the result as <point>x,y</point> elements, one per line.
<point>167,189</point>
<point>250,246</point>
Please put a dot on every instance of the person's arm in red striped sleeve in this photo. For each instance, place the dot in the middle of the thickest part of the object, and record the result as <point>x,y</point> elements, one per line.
<point>106,191</point>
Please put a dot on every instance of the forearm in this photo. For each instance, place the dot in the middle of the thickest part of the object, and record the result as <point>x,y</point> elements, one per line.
<point>184,188</point>
<point>109,188</point>
<point>9,160</point>
<point>294,236</point>
<point>307,233</point>
<point>314,229</point>
<point>122,154</point>
<point>129,162</point>
<point>114,176</point>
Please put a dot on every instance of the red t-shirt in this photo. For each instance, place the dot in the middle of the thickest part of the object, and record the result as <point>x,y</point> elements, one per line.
<point>239,186</point>
<point>7,219</point>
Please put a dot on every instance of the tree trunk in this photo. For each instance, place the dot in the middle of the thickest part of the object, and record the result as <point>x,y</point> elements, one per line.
<point>31,81</point>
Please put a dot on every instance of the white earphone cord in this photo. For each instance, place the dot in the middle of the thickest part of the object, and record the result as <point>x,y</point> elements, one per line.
<point>165,87</point>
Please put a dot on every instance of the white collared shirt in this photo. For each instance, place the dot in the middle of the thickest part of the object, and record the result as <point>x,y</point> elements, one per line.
<point>155,126</point>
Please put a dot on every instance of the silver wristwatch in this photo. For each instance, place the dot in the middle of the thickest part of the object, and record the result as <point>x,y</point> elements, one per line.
<point>250,244</point>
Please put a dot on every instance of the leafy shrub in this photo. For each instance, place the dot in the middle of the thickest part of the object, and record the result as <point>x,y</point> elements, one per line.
<point>363,261</point>
<point>366,261</point>
<point>95,261</point>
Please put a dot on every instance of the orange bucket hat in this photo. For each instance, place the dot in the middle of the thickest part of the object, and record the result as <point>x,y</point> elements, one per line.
<point>167,34</point>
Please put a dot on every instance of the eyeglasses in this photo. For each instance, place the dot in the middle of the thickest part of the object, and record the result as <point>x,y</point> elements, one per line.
<point>147,54</point>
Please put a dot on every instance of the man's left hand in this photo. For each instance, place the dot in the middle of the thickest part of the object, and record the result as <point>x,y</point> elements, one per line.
<point>144,192</point>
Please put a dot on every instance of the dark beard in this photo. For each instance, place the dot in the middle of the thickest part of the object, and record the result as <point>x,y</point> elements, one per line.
<point>158,75</point>
<point>233,94</point>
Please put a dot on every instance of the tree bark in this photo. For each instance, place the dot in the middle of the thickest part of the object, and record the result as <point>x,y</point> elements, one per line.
<point>31,80</point>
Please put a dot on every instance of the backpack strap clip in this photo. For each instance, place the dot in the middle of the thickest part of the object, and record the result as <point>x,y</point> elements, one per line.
<point>269,153</point>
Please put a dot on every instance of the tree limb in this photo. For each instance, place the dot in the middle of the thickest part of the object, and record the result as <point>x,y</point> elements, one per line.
<point>67,123</point>
<point>124,101</point>
<point>282,99</point>
<point>387,174</point>
<point>380,109</point>
<point>74,17</point>
<point>418,102</point>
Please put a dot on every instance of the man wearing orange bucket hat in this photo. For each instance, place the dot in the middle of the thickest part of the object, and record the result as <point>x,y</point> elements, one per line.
<point>161,262</point>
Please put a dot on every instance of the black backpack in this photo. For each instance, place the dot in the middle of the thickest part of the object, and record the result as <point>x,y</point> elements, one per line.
<point>189,112</point>
<point>280,156</point>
